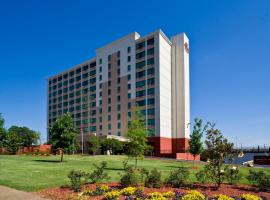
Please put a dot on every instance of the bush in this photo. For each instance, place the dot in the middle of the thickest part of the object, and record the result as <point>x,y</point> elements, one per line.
<point>131,177</point>
<point>113,195</point>
<point>201,176</point>
<point>77,178</point>
<point>169,194</point>
<point>101,189</point>
<point>249,197</point>
<point>99,173</point>
<point>152,178</point>
<point>193,195</point>
<point>260,179</point>
<point>233,175</point>
<point>178,177</point>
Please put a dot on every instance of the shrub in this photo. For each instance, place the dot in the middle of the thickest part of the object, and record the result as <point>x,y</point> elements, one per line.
<point>249,197</point>
<point>99,173</point>
<point>233,175</point>
<point>178,177</point>
<point>128,191</point>
<point>113,195</point>
<point>222,197</point>
<point>131,177</point>
<point>156,196</point>
<point>193,195</point>
<point>152,178</point>
<point>101,189</point>
<point>77,178</point>
<point>260,179</point>
<point>201,176</point>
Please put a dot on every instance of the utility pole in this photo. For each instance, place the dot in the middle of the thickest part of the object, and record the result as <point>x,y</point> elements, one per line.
<point>82,137</point>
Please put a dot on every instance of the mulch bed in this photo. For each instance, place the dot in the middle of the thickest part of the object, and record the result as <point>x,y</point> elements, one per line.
<point>65,193</point>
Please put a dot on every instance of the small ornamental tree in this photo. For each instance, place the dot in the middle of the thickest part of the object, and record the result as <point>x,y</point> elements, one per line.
<point>217,149</point>
<point>137,135</point>
<point>195,143</point>
<point>62,135</point>
<point>95,144</point>
<point>3,132</point>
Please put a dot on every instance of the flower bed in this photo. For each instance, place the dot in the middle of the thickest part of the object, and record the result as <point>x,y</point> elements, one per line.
<point>113,191</point>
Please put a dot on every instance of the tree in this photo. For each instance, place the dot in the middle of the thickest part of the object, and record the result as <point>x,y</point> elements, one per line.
<point>217,149</point>
<point>18,137</point>
<point>95,144</point>
<point>195,143</point>
<point>112,145</point>
<point>137,135</point>
<point>62,134</point>
<point>27,136</point>
<point>13,142</point>
<point>3,132</point>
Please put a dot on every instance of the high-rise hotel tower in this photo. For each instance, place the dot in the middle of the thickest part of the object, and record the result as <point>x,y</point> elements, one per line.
<point>151,72</point>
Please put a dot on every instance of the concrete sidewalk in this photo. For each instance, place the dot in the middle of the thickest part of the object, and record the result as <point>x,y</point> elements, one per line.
<point>12,194</point>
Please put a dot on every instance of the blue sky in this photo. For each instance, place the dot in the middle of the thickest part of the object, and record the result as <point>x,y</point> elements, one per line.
<point>229,54</point>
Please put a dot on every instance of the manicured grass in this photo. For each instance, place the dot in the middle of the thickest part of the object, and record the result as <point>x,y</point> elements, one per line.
<point>31,173</point>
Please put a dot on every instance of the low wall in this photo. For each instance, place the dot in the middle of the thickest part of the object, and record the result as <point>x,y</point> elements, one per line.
<point>261,160</point>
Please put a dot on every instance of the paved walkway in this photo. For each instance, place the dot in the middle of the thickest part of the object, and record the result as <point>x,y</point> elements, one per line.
<point>12,194</point>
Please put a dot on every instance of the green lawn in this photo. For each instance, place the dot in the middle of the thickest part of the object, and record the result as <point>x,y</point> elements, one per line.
<point>31,173</point>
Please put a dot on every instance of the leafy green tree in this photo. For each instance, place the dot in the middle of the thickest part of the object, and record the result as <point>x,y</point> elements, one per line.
<point>62,135</point>
<point>3,132</point>
<point>217,149</point>
<point>27,136</point>
<point>95,144</point>
<point>113,145</point>
<point>13,142</point>
<point>195,141</point>
<point>137,135</point>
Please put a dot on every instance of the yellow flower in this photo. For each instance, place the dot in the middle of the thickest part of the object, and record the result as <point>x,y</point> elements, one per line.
<point>250,197</point>
<point>156,196</point>
<point>222,197</point>
<point>169,194</point>
<point>193,195</point>
<point>113,195</point>
<point>128,191</point>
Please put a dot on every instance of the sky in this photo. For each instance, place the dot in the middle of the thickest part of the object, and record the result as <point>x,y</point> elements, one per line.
<point>229,54</point>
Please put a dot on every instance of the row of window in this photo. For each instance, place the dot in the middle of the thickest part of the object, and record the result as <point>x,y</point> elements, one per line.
<point>142,44</point>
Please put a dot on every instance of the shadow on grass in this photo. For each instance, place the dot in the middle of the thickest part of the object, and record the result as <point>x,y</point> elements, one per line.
<point>49,161</point>
<point>114,169</point>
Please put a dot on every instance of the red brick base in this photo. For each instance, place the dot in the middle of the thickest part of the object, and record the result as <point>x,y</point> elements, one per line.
<point>171,148</point>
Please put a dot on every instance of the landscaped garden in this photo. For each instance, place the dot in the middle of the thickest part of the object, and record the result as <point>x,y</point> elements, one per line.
<point>49,176</point>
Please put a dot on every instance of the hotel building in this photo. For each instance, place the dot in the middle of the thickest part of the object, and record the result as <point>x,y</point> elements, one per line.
<point>151,72</point>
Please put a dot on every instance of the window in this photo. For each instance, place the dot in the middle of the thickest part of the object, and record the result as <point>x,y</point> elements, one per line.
<point>100,86</point>
<point>118,89</point>
<point>93,72</point>
<point>109,83</point>
<point>71,73</point>
<point>151,122</point>
<point>140,55</point>
<point>151,91</point>
<point>109,117</point>
<point>100,77</point>
<point>85,67</point>
<point>71,80</point>
<point>100,94</point>
<point>140,74</point>
<point>78,71</point>
<point>150,51</point>
<point>150,41</point>
<point>151,70</point>
<point>129,58</point>
<point>140,45</point>
<point>118,125</point>
<point>109,74</point>
<point>150,81</point>
<point>109,100</point>
<point>118,63</point>
<point>119,116</point>
<point>129,105</point>
<point>109,66</point>
<point>119,133</point>
<point>129,95</point>
<point>109,109</point>
<point>118,72</point>
<point>109,126</point>
<point>118,80</point>
<point>78,78</point>
<point>151,61</point>
<point>129,49</point>
<point>140,65</point>
<point>140,84</point>
<point>129,77</point>
<point>100,61</point>
<point>118,54</point>
<point>65,76</point>
<point>100,102</point>
<point>140,93</point>
<point>100,69</point>
<point>100,110</point>
<point>118,107</point>
<point>78,85</point>
<point>129,86</point>
<point>93,64</point>
<point>85,75</point>
<point>118,98</point>
<point>129,114</point>
<point>109,57</point>
<point>92,80</point>
<point>109,92</point>
<point>128,68</point>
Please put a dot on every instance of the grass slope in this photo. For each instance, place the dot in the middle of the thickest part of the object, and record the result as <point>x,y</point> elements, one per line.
<point>31,173</point>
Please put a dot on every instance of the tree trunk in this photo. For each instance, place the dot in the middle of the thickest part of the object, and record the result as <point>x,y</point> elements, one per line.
<point>136,160</point>
<point>62,155</point>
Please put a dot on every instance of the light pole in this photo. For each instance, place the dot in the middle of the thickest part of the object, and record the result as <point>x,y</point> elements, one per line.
<point>82,137</point>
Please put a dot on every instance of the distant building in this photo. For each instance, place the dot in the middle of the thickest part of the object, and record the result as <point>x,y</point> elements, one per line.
<point>151,72</point>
